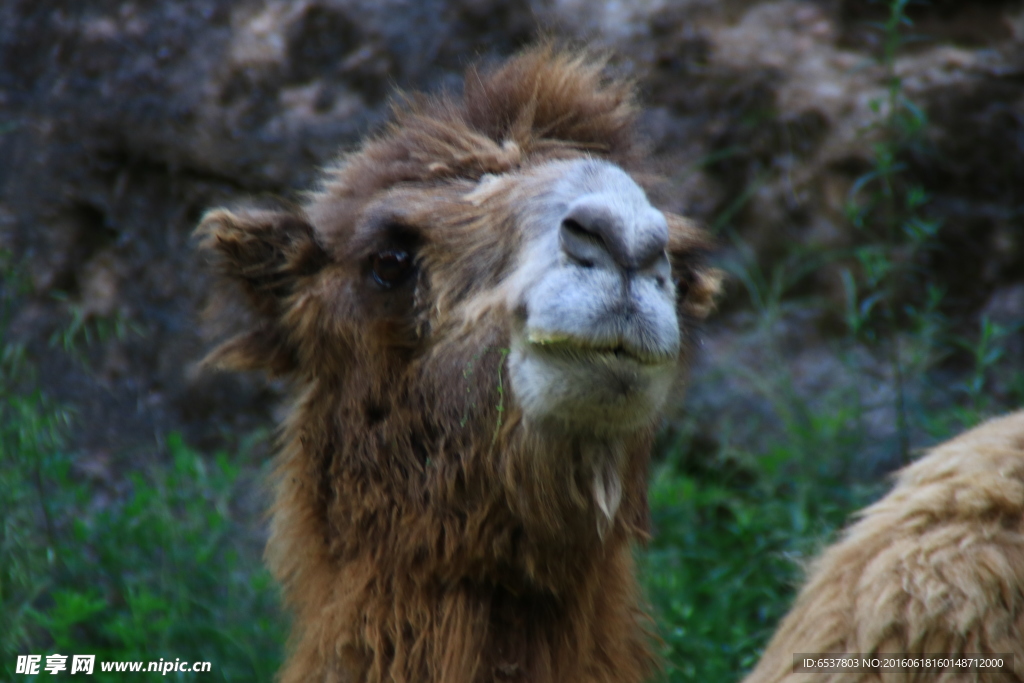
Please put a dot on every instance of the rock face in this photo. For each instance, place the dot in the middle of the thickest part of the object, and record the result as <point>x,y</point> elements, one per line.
<point>120,122</point>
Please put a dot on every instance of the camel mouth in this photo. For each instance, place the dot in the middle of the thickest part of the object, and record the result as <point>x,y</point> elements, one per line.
<point>589,384</point>
<point>616,349</point>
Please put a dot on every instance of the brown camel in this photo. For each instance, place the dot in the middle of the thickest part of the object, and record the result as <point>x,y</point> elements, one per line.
<point>482,316</point>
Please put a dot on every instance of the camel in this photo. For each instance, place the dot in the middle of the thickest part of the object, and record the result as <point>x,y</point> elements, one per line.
<point>481,317</point>
<point>934,567</point>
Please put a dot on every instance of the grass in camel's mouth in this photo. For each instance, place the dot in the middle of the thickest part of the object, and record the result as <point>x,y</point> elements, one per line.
<point>571,345</point>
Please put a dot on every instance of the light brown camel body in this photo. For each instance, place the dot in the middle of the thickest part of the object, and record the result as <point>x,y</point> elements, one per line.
<point>936,566</point>
<point>482,316</point>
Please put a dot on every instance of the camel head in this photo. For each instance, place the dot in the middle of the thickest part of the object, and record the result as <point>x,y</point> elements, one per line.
<point>480,304</point>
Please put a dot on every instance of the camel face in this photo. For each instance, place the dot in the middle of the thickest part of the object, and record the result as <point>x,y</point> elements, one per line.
<point>564,268</point>
<point>553,286</point>
<point>596,340</point>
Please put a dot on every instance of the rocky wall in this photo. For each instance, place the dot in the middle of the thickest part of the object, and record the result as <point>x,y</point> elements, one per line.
<point>121,122</point>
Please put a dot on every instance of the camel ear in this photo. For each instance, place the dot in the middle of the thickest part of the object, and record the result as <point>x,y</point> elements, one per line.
<point>688,248</point>
<point>266,256</point>
<point>705,287</point>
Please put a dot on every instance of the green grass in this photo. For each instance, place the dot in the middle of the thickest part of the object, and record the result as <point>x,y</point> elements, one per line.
<point>721,569</point>
<point>158,563</point>
<point>162,571</point>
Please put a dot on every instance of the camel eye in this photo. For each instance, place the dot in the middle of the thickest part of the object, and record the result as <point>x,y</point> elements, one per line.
<point>391,267</point>
<point>683,282</point>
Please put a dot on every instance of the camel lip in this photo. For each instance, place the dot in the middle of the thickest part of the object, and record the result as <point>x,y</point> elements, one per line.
<point>616,349</point>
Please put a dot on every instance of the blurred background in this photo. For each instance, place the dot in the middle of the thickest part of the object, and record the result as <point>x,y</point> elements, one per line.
<point>861,164</point>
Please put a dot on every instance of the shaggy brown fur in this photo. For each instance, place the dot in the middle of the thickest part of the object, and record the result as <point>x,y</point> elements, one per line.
<point>937,566</point>
<point>422,530</point>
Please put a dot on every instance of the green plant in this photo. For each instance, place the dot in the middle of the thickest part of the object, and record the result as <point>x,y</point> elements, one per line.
<point>986,351</point>
<point>162,572</point>
<point>731,529</point>
<point>84,331</point>
<point>31,428</point>
<point>163,575</point>
<point>159,566</point>
<point>500,408</point>
<point>768,290</point>
<point>886,290</point>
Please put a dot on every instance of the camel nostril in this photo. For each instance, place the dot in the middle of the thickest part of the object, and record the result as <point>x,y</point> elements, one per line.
<point>577,241</point>
<point>596,229</point>
<point>583,239</point>
<point>588,236</point>
<point>582,246</point>
<point>573,226</point>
